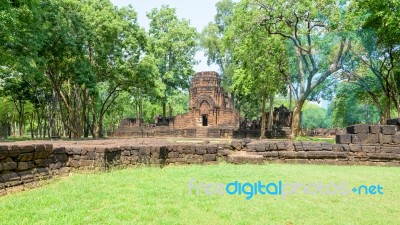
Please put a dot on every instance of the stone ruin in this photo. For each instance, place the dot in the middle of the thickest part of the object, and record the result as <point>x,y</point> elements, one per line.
<point>211,114</point>
<point>281,125</point>
<point>372,134</point>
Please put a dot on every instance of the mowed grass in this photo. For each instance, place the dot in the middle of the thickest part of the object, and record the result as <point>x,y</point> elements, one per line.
<point>152,195</point>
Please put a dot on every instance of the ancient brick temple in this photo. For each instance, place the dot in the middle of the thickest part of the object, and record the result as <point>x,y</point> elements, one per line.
<point>209,106</point>
<point>211,114</point>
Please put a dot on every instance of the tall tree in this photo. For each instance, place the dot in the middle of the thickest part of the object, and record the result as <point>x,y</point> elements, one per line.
<point>258,58</point>
<point>173,42</point>
<point>312,29</point>
<point>375,62</point>
<point>115,49</point>
<point>213,43</point>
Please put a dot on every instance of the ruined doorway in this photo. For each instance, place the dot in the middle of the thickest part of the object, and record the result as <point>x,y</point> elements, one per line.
<point>204,120</point>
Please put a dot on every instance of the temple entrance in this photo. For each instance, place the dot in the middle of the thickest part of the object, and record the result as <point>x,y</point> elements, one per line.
<point>205,120</point>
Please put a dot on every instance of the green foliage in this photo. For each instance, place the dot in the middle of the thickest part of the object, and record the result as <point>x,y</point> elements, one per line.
<point>173,42</point>
<point>352,105</point>
<point>314,117</point>
<point>213,42</point>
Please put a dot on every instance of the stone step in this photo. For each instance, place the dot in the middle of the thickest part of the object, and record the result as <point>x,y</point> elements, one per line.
<point>244,157</point>
<point>201,132</point>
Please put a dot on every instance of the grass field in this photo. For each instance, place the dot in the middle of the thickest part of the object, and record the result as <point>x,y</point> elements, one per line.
<point>151,195</point>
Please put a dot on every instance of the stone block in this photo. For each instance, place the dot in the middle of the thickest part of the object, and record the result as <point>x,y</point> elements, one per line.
<point>9,165</point>
<point>326,146</point>
<point>27,148</point>
<point>3,151</point>
<point>59,150</point>
<point>388,129</point>
<point>211,149</point>
<point>14,150</point>
<point>240,159</point>
<point>359,138</point>
<point>281,146</point>
<point>224,152</point>
<point>355,148</point>
<point>126,153</point>
<point>372,139</point>
<point>374,129</point>
<point>39,154</point>
<point>73,163</point>
<point>343,139</point>
<point>273,154</point>
<point>145,150</point>
<point>201,150</point>
<point>358,129</point>
<point>22,166</point>
<point>25,157</point>
<point>298,146</point>
<point>396,139</point>
<point>311,146</point>
<point>210,157</point>
<point>84,163</point>
<point>26,176</point>
<point>385,139</point>
<point>172,155</point>
<point>341,155</point>
<point>320,154</point>
<point>369,148</point>
<point>41,162</point>
<point>60,157</point>
<point>395,121</point>
<point>11,179</point>
<point>287,154</point>
<point>301,155</point>
<point>236,145</point>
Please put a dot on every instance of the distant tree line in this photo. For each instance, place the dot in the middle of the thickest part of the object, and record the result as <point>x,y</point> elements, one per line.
<point>74,68</point>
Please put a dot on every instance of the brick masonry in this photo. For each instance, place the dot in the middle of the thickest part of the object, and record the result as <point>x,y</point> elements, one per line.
<point>370,134</point>
<point>211,114</point>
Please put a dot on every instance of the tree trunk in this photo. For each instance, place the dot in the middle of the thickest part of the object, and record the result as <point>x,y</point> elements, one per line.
<point>31,125</point>
<point>99,130</point>
<point>170,111</point>
<point>53,130</point>
<point>263,118</point>
<point>271,112</point>
<point>164,106</point>
<point>290,98</point>
<point>296,118</point>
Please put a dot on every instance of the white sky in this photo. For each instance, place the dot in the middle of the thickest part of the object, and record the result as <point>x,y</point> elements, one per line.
<point>198,12</point>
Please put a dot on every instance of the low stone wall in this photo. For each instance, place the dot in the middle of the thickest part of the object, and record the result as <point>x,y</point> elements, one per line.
<point>370,134</point>
<point>325,153</point>
<point>163,131</point>
<point>22,165</point>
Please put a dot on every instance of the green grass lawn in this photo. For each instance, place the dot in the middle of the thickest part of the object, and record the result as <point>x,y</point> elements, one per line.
<point>151,195</point>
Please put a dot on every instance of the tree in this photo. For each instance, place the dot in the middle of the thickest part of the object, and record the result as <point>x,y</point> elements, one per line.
<point>258,58</point>
<point>352,105</point>
<point>116,47</point>
<point>310,27</point>
<point>374,63</point>
<point>214,45</point>
<point>173,42</point>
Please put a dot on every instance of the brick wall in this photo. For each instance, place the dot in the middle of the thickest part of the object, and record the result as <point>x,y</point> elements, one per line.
<point>370,134</point>
<point>22,165</point>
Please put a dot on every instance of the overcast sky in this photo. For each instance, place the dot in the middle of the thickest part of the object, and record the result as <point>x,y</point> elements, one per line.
<point>198,12</point>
